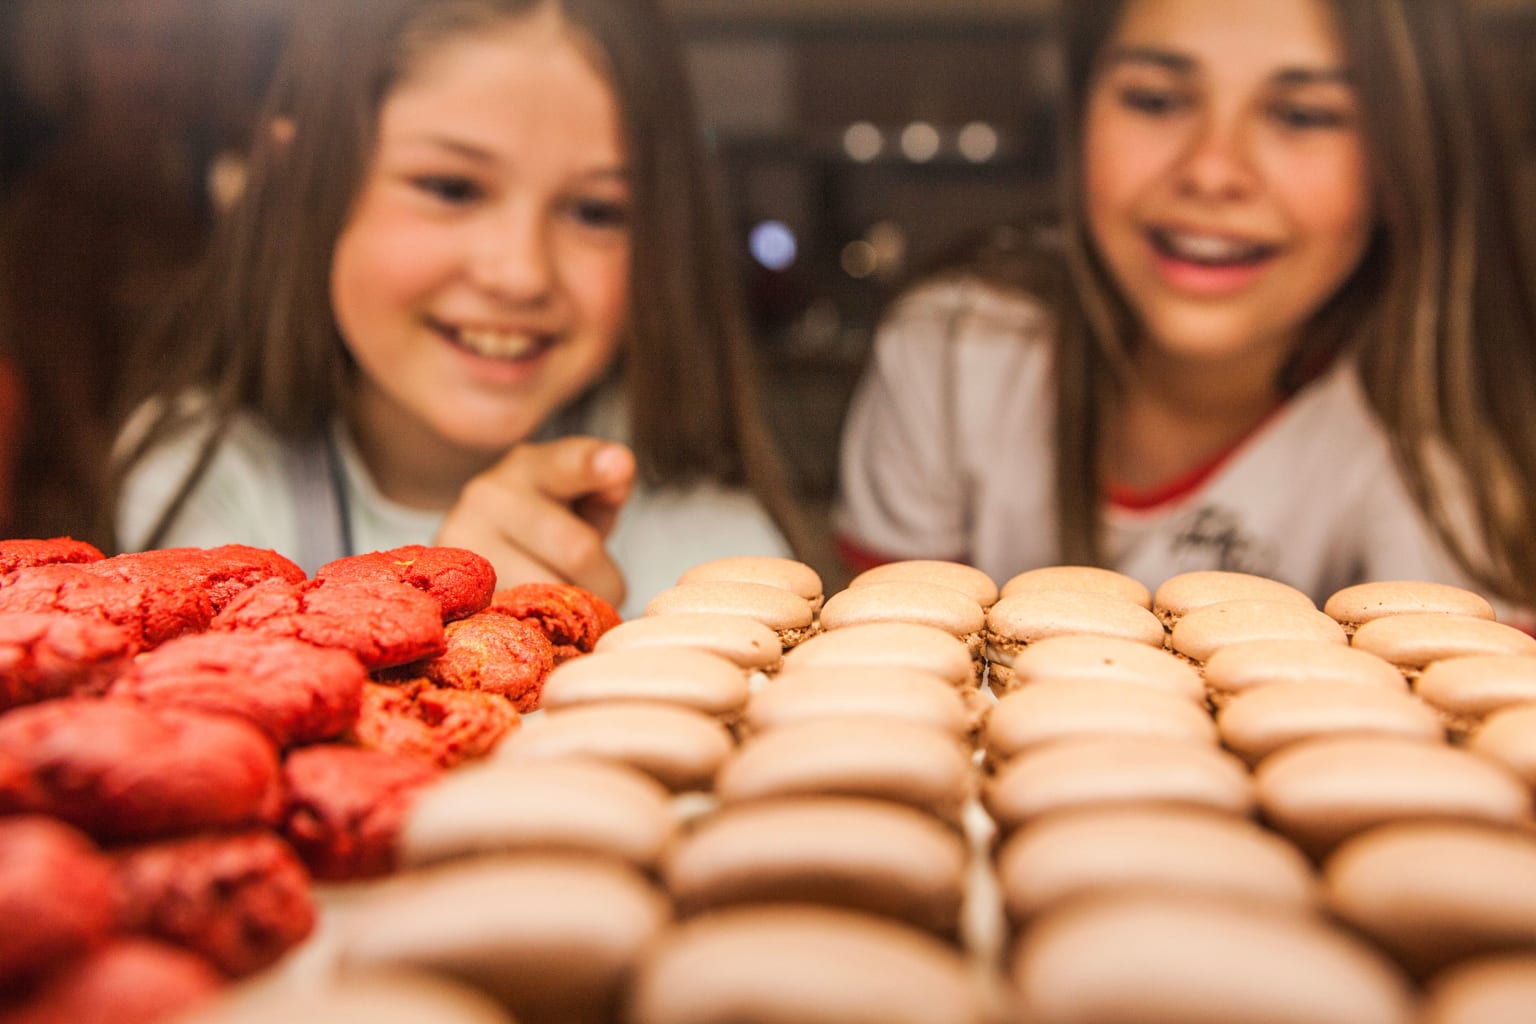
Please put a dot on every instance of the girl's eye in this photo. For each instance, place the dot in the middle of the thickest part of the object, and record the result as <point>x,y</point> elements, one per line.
<point>449,188</point>
<point>1153,102</point>
<point>600,213</point>
<point>1304,117</point>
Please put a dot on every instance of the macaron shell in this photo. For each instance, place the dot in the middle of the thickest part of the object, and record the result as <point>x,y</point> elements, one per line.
<point>967,579</point>
<point>1203,631</point>
<point>903,644</point>
<point>1508,737</point>
<point>1178,595</point>
<point>685,677</point>
<point>1116,770</point>
<point>863,691</point>
<point>1241,667</point>
<point>1433,894</point>
<point>1034,615</point>
<point>1467,690</point>
<point>1054,709</point>
<point>868,855</point>
<point>1413,641</point>
<point>1490,990</point>
<point>785,573</point>
<point>787,614</point>
<point>1110,659</point>
<point>1088,578</point>
<point>1187,850</point>
<point>1259,722</point>
<point>927,604</point>
<point>1352,606</point>
<point>737,638</point>
<point>1168,959</point>
<point>1320,792</point>
<point>363,998</point>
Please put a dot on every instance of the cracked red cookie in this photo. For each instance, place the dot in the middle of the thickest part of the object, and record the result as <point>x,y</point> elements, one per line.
<point>384,624</point>
<point>459,580</point>
<point>346,806</point>
<point>572,618</point>
<point>240,901</point>
<point>44,655</point>
<point>152,612</point>
<point>444,726</point>
<point>130,980</point>
<point>58,896</point>
<point>496,653</point>
<point>23,552</point>
<point>294,691</point>
<point>122,771</point>
<point>220,572</point>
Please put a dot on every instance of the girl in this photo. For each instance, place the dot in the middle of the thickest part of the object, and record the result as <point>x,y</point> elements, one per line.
<point>477,240</point>
<point>1293,334</point>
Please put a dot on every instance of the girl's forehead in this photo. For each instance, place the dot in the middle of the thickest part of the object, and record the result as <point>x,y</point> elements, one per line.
<point>1241,33</point>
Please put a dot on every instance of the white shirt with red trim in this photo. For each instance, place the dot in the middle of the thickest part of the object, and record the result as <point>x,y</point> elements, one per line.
<point>947,453</point>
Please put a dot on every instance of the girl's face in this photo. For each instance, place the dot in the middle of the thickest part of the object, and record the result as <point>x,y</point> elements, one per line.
<point>1226,181</point>
<point>482,279</point>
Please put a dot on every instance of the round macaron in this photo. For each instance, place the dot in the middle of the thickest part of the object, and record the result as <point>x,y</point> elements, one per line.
<point>680,748</point>
<point>1177,850</point>
<point>1051,710</point>
<point>1487,990</point>
<point>1239,668</point>
<point>1170,959</point>
<point>786,613</point>
<point>863,691</point>
<point>794,964</point>
<point>1354,606</point>
<point>1467,690</point>
<point>682,676</point>
<point>1434,893</point>
<point>555,805</point>
<point>888,644</point>
<point>1109,770</point>
<point>1030,616</point>
<point>1259,722</point>
<point>1203,631</point>
<point>883,758</point>
<point>1320,792</point>
<point>361,998</point>
<point>1509,737</point>
<point>1087,578</point>
<point>785,573</point>
<point>1104,659</point>
<point>1178,595</point>
<point>967,579</point>
<point>927,604</point>
<point>584,921</point>
<point>1413,641</point>
<point>868,855</point>
<point>746,642</point>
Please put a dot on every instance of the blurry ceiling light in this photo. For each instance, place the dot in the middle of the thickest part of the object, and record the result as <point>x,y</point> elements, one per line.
<point>862,141</point>
<point>773,245</point>
<point>977,142</point>
<point>859,259</point>
<point>920,142</point>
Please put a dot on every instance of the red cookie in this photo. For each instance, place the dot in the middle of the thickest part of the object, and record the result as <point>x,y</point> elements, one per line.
<point>240,901</point>
<point>571,617</point>
<point>18,554</point>
<point>294,691</point>
<point>130,980</point>
<point>384,624</point>
<point>58,896</point>
<point>346,806</point>
<point>221,572</point>
<point>460,580</point>
<point>45,655</point>
<point>495,653</point>
<point>446,727</point>
<point>122,771</point>
<point>151,611</point>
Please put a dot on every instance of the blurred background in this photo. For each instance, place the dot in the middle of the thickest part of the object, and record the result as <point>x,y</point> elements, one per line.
<point>860,141</point>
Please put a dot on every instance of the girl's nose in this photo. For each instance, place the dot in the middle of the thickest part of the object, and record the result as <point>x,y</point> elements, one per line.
<point>513,259</point>
<point>1216,163</point>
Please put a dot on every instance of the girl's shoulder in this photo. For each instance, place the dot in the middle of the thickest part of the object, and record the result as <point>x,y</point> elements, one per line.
<point>973,307</point>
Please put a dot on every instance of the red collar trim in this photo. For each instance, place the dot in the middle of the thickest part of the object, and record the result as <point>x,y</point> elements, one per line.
<point>1144,499</point>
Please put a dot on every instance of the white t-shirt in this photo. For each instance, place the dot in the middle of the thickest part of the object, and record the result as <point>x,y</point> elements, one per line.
<point>947,453</point>
<point>248,496</point>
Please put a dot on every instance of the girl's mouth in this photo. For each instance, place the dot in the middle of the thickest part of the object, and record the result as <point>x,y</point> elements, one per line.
<point>1209,250</point>
<point>501,345</point>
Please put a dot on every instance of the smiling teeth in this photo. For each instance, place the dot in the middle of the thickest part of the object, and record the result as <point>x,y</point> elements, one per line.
<point>1209,249</point>
<point>498,344</point>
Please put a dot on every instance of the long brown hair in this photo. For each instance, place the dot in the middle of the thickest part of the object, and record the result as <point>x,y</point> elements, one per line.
<point>257,329</point>
<point>1441,311</point>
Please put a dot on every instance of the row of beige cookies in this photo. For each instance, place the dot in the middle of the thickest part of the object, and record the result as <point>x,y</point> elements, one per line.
<point>748,805</point>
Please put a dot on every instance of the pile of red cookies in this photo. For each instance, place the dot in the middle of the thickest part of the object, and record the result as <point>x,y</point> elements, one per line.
<point>187,736</point>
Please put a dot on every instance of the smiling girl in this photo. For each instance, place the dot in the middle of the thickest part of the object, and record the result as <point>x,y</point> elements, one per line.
<point>475,257</point>
<point>1292,332</point>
